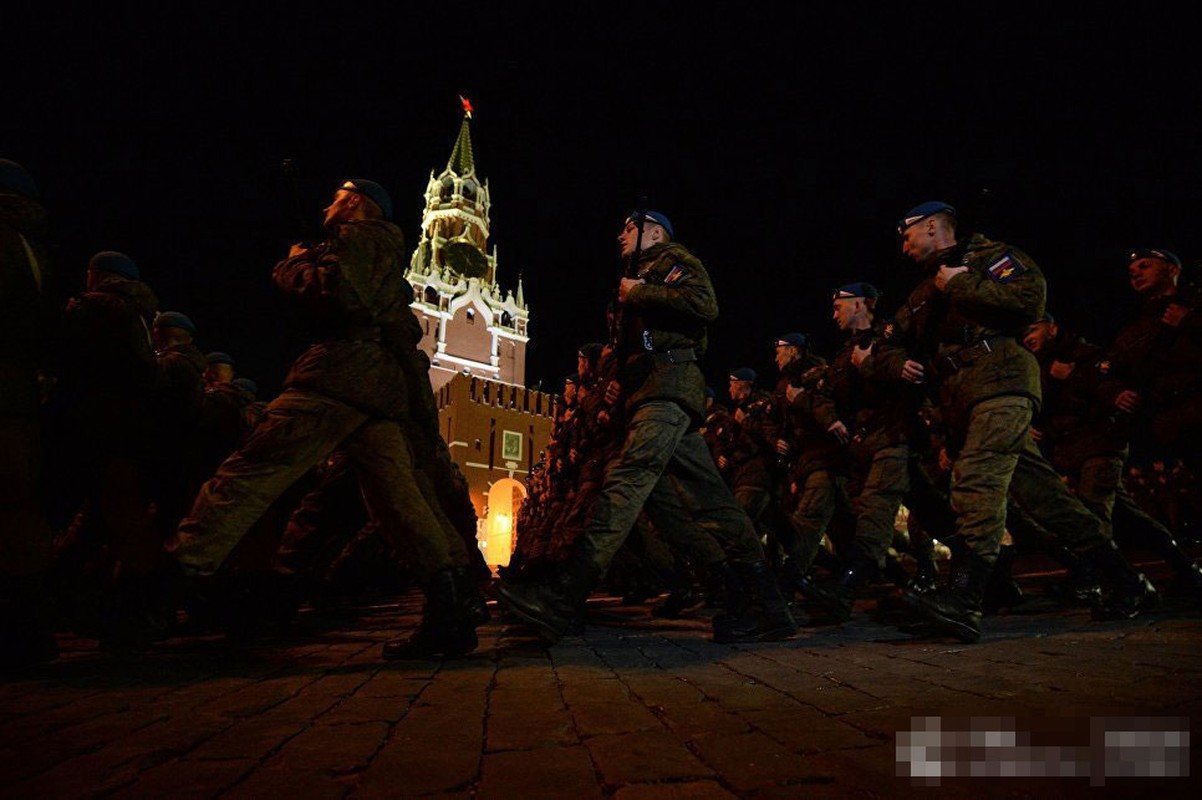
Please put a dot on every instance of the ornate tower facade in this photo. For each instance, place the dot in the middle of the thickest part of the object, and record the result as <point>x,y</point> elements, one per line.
<point>469,324</point>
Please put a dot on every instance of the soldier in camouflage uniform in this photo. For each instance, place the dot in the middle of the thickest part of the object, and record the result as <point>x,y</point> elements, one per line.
<point>803,426</point>
<point>25,539</point>
<point>874,416</point>
<point>346,391</point>
<point>664,465</point>
<point>960,328</point>
<point>1154,370</point>
<point>742,454</point>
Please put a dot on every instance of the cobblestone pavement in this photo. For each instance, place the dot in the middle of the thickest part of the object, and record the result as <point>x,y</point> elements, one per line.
<point>637,708</point>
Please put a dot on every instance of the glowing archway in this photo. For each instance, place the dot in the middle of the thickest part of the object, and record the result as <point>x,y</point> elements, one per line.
<point>504,500</point>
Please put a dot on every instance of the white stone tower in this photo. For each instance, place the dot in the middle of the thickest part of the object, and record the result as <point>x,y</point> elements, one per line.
<point>469,325</point>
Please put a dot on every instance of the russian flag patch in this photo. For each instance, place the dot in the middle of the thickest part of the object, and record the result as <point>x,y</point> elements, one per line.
<point>676,273</point>
<point>1006,268</point>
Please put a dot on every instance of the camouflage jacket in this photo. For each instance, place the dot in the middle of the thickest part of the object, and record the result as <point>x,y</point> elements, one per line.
<point>967,336</point>
<point>22,225</point>
<point>350,288</point>
<point>879,411</point>
<point>669,312</point>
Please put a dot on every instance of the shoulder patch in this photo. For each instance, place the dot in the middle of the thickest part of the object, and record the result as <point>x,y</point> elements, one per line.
<point>678,272</point>
<point>1006,268</point>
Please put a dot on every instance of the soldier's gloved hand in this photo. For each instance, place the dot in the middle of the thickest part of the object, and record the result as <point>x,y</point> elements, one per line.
<point>613,390</point>
<point>792,391</point>
<point>603,417</point>
<point>913,372</point>
<point>945,274</point>
<point>739,415</point>
<point>839,430</point>
<point>782,447</point>
<point>625,286</point>
<point>858,354</point>
<point>298,249</point>
<point>1060,370</point>
<point>1174,315</point>
<point>1128,401</point>
<point>945,460</point>
<point>722,462</point>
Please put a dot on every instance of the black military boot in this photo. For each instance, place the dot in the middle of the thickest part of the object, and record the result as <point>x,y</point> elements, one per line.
<point>549,606</point>
<point>472,606</point>
<point>1002,591</point>
<point>1080,586</point>
<point>1189,577</point>
<point>26,634</point>
<point>956,609</point>
<point>443,631</point>
<point>836,598</point>
<point>682,596</point>
<point>763,613</point>
<point>1130,591</point>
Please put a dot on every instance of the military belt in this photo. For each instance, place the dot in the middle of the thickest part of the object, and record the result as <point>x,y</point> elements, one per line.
<point>966,356</point>
<point>681,355</point>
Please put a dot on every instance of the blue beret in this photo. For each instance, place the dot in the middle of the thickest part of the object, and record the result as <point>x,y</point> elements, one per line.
<point>791,340</point>
<point>920,212</point>
<point>1154,252</point>
<point>372,191</point>
<point>115,263</point>
<point>246,385</point>
<point>174,319</point>
<point>573,378</point>
<point>858,289</point>
<point>743,374</point>
<point>657,218</point>
<point>14,178</point>
<point>217,357</point>
<point>710,393</point>
<point>591,351</point>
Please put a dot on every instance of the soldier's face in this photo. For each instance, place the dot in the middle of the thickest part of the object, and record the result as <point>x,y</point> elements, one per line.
<point>340,208</point>
<point>1038,336</point>
<point>846,311</point>
<point>785,355</point>
<point>1152,276</point>
<point>739,390</point>
<point>629,237</point>
<point>218,373</point>
<point>919,242</point>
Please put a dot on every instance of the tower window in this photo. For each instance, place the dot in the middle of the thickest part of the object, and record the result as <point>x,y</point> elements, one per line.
<point>471,316</point>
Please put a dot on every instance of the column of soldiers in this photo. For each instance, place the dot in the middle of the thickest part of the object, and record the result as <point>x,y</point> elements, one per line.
<point>172,487</point>
<point>968,406</point>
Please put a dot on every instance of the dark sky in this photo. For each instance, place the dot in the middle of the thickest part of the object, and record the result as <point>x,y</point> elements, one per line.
<point>783,145</point>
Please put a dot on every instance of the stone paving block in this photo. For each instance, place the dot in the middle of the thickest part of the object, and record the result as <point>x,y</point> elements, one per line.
<point>284,779</point>
<point>332,749</point>
<point>548,772</point>
<point>388,683</point>
<point>706,718</point>
<point>733,691</point>
<point>691,790</point>
<point>359,708</point>
<point>422,762</point>
<point>598,688</point>
<point>644,757</point>
<point>527,718</point>
<point>593,718</point>
<point>186,779</point>
<point>254,738</point>
<point>749,761</point>
<point>806,731</point>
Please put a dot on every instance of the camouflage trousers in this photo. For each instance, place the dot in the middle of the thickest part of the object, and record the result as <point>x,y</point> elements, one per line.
<point>299,431</point>
<point>666,470</point>
<point>999,459</point>
<point>875,504</point>
<point>819,495</point>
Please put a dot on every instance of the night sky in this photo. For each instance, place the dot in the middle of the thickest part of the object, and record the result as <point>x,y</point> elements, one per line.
<point>783,145</point>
